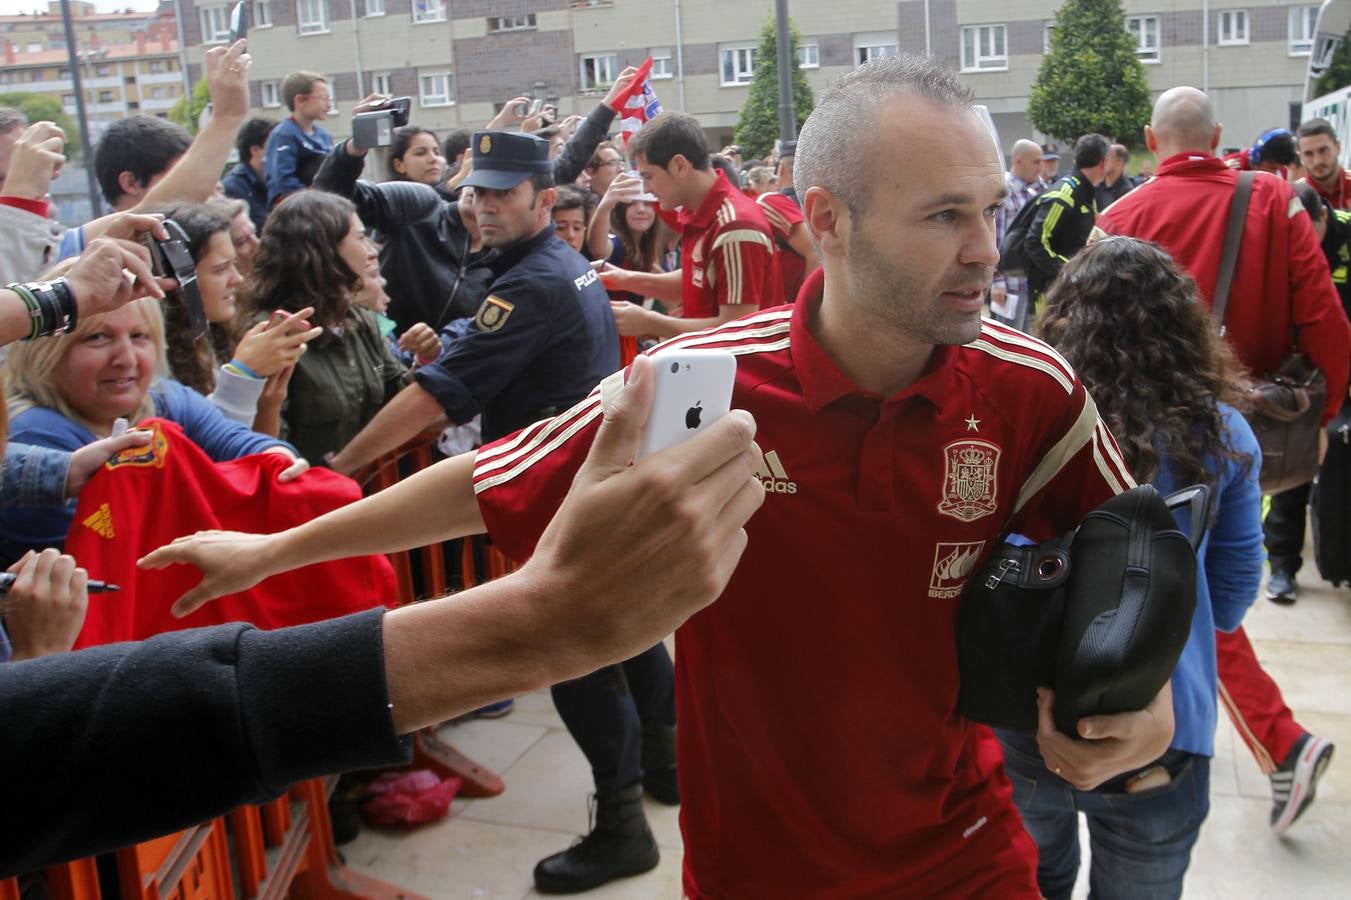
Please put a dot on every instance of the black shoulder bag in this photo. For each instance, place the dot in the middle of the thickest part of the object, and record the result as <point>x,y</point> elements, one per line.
<point>1100,614</point>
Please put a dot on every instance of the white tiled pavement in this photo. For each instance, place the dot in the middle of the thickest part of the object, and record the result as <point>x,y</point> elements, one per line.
<point>487,848</point>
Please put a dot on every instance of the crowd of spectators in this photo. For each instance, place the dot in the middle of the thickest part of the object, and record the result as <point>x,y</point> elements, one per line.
<point>509,279</point>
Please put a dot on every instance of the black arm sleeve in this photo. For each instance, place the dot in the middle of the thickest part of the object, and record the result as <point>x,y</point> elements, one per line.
<point>117,744</point>
<point>1038,244</point>
<point>578,151</point>
<point>384,205</point>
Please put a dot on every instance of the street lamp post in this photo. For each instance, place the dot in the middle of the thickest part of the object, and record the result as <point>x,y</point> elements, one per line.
<point>81,116</point>
<point>784,46</point>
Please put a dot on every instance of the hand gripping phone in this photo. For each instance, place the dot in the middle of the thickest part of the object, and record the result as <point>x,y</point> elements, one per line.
<point>693,390</point>
<point>239,22</point>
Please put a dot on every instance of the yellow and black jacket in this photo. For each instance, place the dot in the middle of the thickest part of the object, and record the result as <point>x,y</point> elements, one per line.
<point>1064,218</point>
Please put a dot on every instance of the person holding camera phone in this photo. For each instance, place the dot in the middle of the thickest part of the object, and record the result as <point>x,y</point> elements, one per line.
<point>428,254</point>
<point>234,371</point>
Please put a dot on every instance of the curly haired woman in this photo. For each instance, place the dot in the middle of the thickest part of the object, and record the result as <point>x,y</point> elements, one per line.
<point>1126,317</point>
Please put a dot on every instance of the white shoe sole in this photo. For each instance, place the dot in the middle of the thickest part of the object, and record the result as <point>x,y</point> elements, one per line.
<point>1309,769</point>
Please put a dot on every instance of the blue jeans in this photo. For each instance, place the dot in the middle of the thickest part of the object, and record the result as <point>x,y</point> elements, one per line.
<point>1140,843</point>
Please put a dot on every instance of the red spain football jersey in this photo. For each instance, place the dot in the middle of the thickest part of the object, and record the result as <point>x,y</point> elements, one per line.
<point>143,498</point>
<point>821,753</point>
<point>726,253</point>
<point>783,215</point>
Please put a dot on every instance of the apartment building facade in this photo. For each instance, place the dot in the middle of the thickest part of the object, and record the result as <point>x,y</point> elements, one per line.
<point>460,59</point>
<point>139,77</point>
<point>43,30</point>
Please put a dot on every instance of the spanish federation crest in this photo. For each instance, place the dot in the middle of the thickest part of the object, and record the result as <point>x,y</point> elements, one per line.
<point>969,486</point>
<point>152,454</point>
<point>485,145</point>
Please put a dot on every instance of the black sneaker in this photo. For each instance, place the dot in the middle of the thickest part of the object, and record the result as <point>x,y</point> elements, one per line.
<point>1295,781</point>
<point>619,845</point>
<point>1282,589</point>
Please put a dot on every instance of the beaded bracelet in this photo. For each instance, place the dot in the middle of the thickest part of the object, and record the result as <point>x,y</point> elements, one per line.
<point>51,307</point>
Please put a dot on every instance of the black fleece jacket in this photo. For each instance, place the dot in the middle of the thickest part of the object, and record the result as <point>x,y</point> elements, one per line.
<point>117,744</point>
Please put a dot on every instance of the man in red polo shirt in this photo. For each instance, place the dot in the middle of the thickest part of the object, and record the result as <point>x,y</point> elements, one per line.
<point>1320,155</point>
<point>796,259</point>
<point>821,753</point>
<point>820,750</point>
<point>726,248</point>
<point>1282,295</point>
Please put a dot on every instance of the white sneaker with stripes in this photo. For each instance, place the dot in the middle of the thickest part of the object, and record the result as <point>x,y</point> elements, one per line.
<point>1295,782</point>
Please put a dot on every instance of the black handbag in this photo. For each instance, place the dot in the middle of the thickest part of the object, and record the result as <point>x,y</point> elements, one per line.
<point>1100,614</point>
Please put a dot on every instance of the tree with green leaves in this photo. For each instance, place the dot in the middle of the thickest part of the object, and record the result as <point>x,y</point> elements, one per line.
<point>758,123</point>
<point>188,110</point>
<point>1338,73</point>
<point>1091,80</point>
<point>45,108</point>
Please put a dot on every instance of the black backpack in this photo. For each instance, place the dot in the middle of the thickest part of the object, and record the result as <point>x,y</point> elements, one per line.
<point>1012,258</point>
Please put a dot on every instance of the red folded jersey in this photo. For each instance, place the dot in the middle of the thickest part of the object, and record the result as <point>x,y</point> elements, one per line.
<point>145,497</point>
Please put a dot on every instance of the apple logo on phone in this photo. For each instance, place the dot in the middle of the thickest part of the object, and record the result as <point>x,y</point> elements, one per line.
<point>692,416</point>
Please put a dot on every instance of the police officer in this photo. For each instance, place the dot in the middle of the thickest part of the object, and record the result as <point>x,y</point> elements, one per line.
<point>540,341</point>
<point>543,337</point>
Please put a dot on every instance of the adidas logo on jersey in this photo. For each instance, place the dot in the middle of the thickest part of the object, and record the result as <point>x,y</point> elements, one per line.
<point>773,475</point>
<point>101,522</point>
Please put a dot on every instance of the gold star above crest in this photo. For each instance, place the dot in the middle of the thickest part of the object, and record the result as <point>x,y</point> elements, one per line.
<point>972,423</point>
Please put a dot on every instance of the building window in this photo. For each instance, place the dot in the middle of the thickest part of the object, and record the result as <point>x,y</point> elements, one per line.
<point>103,71</point>
<point>375,8</point>
<point>1145,30</point>
<point>984,48</point>
<point>215,24</point>
<point>434,89</point>
<point>511,23</point>
<point>661,63</point>
<point>738,63</point>
<point>877,45</point>
<point>312,16</point>
<point>105,96</point>
<point>156,67</point>
<point>1233,27</point>
<point>1303,23</point>
<point>271,92</point>
<point>34,48</point>
<point>809,55</point>
<point>262,14</point>
<point>430,11</point>
<point>380,83</point>
<point>67,99</point>
<point>1047,32</point>
<point>599,71</point>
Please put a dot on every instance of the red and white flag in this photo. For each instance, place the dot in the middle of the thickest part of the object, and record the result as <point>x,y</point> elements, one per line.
<point>640,103</point>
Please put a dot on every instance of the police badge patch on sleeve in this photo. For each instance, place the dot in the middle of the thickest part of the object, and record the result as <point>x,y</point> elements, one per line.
<point>492,315</point>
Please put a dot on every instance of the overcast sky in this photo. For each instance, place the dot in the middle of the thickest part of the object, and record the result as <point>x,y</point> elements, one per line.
<point>14,7</point>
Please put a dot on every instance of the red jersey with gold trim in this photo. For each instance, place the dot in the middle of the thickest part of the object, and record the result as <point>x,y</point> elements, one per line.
<point>1340,195</point>
<point>783,215</point>
<point>726,253</point>
<point>821,753</point>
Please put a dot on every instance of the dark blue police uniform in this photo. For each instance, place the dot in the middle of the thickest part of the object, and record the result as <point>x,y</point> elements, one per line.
<point>543,338</point>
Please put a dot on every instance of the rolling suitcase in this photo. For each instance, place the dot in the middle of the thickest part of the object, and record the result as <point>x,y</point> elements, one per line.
<point>1331,503</point>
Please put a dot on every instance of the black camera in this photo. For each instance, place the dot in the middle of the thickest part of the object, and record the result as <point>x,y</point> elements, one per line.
<point>376,129</point>
<point>173,259</point>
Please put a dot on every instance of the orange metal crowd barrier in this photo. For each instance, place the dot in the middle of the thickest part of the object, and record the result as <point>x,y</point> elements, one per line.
<point>285,848</point>
<point>281,849</point>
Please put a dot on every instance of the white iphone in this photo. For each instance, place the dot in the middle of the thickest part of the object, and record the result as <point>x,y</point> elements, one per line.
<point>693,390</point>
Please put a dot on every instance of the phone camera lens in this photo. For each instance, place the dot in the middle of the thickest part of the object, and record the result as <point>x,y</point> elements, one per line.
<point>675,367</point>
